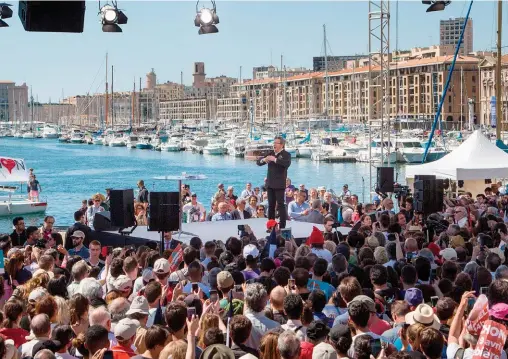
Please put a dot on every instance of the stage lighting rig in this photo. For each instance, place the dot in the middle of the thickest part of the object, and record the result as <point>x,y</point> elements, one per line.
<point>206,19</point>
<point>436,5</point>
<point>111,17</point>
<point>5,13</point>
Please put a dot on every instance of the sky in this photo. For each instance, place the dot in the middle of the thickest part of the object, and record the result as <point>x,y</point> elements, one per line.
<point>162,35</point>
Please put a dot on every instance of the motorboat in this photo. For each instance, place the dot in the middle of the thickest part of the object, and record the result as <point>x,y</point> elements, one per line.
<point>49,132</point>
<point>255,150</point>
<point>117,141</point>
<point>64,138</point>
<point>174,144</point>
<point>132,141</point>
<point>28,135</point>
<point>144,143</point>
<point>99,140</point>
<point>236,146</point>
<point>215,147</point>
<point>77,137</point>
<point>292,150</point>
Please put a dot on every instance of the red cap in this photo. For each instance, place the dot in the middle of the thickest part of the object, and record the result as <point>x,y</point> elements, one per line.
<point>316,237</point>
<point>271,223</point>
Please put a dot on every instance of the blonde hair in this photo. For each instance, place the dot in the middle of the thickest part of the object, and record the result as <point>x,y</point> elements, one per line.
<point>268,347</point>
<point>176,350</point>
<point>209,320</point>
<point>302,251</point>
<point>63,316</point>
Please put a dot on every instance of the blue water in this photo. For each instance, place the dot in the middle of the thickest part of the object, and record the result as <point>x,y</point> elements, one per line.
<point>70,173</point>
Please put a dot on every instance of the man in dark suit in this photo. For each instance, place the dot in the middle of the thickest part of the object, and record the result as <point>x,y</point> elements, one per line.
<point>315,215</point>
<point>240,212</point>
<point>333,208</point>
<point>278,162</point>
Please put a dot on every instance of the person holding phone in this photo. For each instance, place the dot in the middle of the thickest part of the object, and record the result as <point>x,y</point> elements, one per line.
<point>194,283</point>
<point>278,162</point>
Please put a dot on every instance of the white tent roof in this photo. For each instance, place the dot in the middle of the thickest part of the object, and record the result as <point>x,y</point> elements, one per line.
<point>476,158</point>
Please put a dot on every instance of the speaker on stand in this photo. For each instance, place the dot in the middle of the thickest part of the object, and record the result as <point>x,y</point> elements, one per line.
<point>122,210</point>
<point>385,179</point>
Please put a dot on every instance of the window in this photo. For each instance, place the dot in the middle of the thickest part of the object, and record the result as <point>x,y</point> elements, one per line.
<point>473,78</point>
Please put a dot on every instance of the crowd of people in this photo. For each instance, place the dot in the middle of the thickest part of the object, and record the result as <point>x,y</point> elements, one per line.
<point>398,285</point>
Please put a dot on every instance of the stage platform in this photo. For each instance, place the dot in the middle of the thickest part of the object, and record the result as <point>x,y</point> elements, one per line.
<point>208,231</point>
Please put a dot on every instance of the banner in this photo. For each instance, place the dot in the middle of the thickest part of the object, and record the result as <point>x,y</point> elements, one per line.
<point>491,341</point>
<point>13,170</point>
<point>176,258</point>
<point>493,113</point>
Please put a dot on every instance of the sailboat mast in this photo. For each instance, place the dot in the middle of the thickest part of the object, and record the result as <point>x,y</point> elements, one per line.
<point>461,96</point>
<point>133,103</point>
<point>326,82</point>
<point>112,99</point>
<point>106,109</point>
<point>139,109</point>
<point>499,114</point>
<point>32,109</point>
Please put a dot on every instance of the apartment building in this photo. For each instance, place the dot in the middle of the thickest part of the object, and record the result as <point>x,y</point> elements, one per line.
<point>186,110</point>
<point>334,63</point>
<point>417,94</point>
<point>232,109</point>
<point>487,68</point>
<point>13,102</point>
<point>449,34</point>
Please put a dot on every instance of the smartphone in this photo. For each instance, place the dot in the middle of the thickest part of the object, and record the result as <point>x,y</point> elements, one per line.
<point>375,345</point>
<point>195,287</point>
<point>190,312</point>
<point>214,297</point>
<point>108,354</point>
<point>173,283</point>
<point>470,304</point>
<point>433,274</point>
<point>433,300</point>
<point>238,288</point>
<point>409,256</point>
<point>291,284</point>
<point>484,290</point>
<point>241,228</point>
<point>286,233</point>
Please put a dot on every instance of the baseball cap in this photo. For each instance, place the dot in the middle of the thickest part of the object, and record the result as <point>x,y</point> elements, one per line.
<point>225,280</point>
<point>37,293</point>
<point>161,266</point>
<point>338,331</point>
<point>78,234</point>
<point>139,305</point>
<point>220,185</point>
<point>53,345</point>
<point>449,254</point>
<point>121,283</point>
<point>126,328</point>
<point>366,300</point>
<point>194,194</point>
<point>250,250</point>
<point>324,351</point>
<point>271,223</point>
<point>147,275</point>
<point>414,297</point>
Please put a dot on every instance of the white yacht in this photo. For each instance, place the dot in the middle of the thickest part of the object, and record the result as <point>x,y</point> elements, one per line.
<point>117,141</point>
<point>174,144</point>
<point>236,146</point>
<point>215,147</point>
<point>132,141</point>
<point>77,137</point>
<point>49,132</point>
<point>99,140</point>
<point>363,155</point>
<point>144,143</point>
<point>28,135</point>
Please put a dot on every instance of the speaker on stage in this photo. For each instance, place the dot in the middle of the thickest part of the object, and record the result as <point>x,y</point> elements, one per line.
<point>385,179</point>
<point>428,195</point>
<point>122,208</point>
<point>164,211</point>
<point>102,221</point>
<point>52,16</point>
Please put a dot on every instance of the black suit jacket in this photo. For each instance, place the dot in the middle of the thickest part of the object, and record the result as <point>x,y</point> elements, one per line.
<point>334,210</point>
<point>278,170</point>
<point>236,214</point>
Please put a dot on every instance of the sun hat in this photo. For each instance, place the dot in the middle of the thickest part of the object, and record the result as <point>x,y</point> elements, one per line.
<point>423,314</point>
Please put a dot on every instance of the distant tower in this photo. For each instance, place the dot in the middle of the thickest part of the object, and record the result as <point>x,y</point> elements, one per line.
<point>199,74</point>
<point>151,80</point>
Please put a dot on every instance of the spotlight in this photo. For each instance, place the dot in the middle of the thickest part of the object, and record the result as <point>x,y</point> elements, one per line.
<point>436,5</point>
<point>111,18</point>
<point>206,20</point>
<point>5,13</point>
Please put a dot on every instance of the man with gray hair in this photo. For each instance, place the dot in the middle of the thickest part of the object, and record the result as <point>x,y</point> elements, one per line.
<point>90,288</point>
<point>255,301</point>
<point>45,354</point>
<point>79,271</point>
<point>314,215</point>
<point>240,212</point>
<point>101,316</point>
<point>288,345</point>
<point>41,328</point>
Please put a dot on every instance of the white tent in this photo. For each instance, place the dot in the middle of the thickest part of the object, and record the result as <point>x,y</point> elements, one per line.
<point>475,159</point>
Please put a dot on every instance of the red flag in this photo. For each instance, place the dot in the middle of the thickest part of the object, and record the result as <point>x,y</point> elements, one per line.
<point>176,258</point>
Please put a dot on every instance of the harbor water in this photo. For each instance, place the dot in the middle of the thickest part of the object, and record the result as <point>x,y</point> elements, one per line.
<point>70,173</point>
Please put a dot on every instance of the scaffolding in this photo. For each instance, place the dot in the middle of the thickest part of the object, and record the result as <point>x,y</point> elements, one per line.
<point>379,74</point>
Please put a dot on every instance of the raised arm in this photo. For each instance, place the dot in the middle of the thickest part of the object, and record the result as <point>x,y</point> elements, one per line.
<point>283,160</point>
<point>261,161</point>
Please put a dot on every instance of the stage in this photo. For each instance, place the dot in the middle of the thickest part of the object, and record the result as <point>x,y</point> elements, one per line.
<point>208,231</point>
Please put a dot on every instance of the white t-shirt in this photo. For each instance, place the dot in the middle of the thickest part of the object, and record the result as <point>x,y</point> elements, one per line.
<point>452,348</point>
<point>194,213</point>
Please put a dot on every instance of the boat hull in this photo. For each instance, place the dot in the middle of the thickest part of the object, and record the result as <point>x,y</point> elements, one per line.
<point>144,146</point>
<point>214,151</point>
<point>15,208</point>
<point>77,141</point>
<point>175,148</point>
<point>304,152</point>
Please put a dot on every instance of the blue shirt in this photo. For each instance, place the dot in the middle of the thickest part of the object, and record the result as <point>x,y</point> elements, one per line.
<point>327,288</point>
<point>83,252</point>
<point>295,210</point>
<point>221,217</point>
<point>205,289</point>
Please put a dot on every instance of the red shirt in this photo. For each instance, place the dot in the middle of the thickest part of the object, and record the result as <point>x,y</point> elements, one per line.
<point>16,334</point>
<point>379,326</point>
<point>306,349</point>
<point>121,352</point>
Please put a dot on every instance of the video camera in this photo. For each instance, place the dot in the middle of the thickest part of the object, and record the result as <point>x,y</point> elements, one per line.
<point>401,191</point>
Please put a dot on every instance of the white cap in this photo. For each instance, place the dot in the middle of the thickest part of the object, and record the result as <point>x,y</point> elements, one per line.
<point>161,266</point>
<point>139,305</point>
<point>250,250</point>
<point>37,293</point>
<point>126,328</point>
<point>449,254</point>
<point>121,283</point>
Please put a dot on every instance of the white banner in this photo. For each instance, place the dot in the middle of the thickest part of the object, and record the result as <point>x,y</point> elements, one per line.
<point>13,170</point>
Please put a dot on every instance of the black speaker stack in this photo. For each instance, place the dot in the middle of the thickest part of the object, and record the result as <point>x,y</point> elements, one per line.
<point>122,208</point>
<point>385,179</point>
<point>164,211</point>
<point>52,16</point>
<point>428,194</point>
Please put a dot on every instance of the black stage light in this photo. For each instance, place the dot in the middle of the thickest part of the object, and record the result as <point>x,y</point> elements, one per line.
<point>111,18</point>
<point>437,5</point>
<point>5,13</point>
<point>206,19</point>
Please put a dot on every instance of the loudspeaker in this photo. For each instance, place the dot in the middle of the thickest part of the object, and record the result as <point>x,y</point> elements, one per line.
<point>428,195</point>
<point>122,208</point>
<point>164,211</point>
<point>52,16</point>
<point>102,221</point>
<point>424,177</point>
<point>385,179</point>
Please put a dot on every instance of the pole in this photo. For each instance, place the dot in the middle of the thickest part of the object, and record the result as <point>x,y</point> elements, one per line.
<point>139,109</point>
<point>499,115</point>
<point>326,74</point>
<point>461,96</point>
<point>107,99</point>
<point>445,89</point>
<point>112,99</point>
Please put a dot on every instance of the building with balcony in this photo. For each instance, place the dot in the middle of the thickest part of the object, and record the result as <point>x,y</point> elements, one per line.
<point>187,110</point>
<point>449,34</point>
<point>334,63</point>
<point>487,68</point>
<point>13,102</point>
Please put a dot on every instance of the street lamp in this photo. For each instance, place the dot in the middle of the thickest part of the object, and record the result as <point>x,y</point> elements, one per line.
<point>206,19</point>
<point>436,5</point>
<point>5,13</point>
